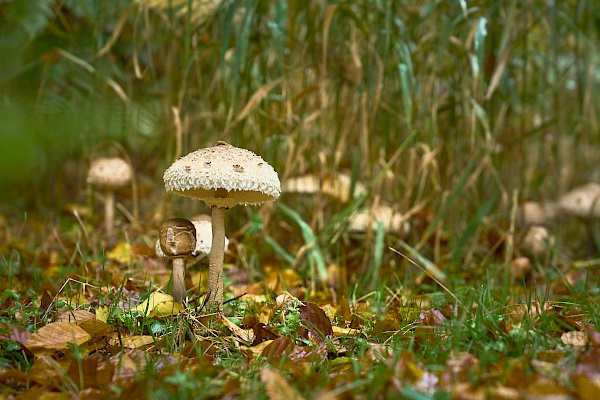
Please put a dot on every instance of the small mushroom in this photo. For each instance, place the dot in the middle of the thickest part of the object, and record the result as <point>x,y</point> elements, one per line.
<point>222,176</point>
<point>533,213</point>
<point>537,241</point>
<point>584,203</point>
<point>520,269</point>
<point>336,186</point>
<point>391,221</point>
<point>177,238</point>
<point>109,174</point>
<point>203,239</point>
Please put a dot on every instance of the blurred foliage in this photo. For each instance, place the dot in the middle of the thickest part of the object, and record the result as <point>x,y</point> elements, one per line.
<point>313,86</point>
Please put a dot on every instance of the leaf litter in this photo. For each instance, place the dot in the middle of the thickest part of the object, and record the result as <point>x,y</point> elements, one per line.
<point>93,340</point>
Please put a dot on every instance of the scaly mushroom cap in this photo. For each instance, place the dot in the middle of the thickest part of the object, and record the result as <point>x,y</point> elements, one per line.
<point>109,172</point>
<point>583,201</point>
<point>223,176</point>
<point>177,237</point>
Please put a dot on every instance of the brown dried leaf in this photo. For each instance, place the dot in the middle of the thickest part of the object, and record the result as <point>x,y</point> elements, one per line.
<point>244,335</point>
<point>278,349</point>
<point>84,370</point>
<point>16,334</point>
<point>47,371</point>
<point>345,310</point>
<point>256,350</point>
<point>586,375</point>
<point>277,386</point>
<point>314,321</point>
<point>75,316</point>
<point>46,301</point>
<point>56,336</point>
<point>261,332</point>
<point>132,342</point>
<point>13,378</point>
<point>459,368</point>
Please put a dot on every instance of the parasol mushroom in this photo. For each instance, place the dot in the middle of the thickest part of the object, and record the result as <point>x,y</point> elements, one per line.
<point>222,176</point>
<point>109,174</point>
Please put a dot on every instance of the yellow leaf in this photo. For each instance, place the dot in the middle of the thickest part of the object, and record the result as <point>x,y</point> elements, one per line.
<point>159,305</point>
<point>79,300</point>
<point>337,331</point>
<point>121,253</point>
<point>56,336</point>
<point>132,342</point>
<point>102,313</point>
<point>256,350</point>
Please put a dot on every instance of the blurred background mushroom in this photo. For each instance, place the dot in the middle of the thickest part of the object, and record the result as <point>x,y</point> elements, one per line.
<point>538,241</point>
<point>109,174</point>
<point>336,186</point>
<point>583,203</point>
<point>533,213</point>
<point>390,220</point>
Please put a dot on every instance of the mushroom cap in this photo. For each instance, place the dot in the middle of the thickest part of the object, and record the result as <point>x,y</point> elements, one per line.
<point>583,201</point>
<point>390,220</point>
<point>177,237</point>
<point>537,240</point>
<point>109,172</point>
<point>533,213</point>
<point>223,176</point>
<point>204,237</point>
<point>335,185</point>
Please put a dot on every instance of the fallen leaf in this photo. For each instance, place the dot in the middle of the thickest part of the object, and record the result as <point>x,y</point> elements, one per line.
<point>277,386</point>
<point>79,300</point>
<point>159,305</point>
<point>75,316</point>
<point>84,371</point>
<point>575,338</point>
<point>337,331</point>
<point>261,332</point>
<point>122,253</point>
<point>256,350</point>
<point>47,371</point>
<point>132,342</point>
<point>314,321</point>
<point>242,334</point>
<point>56,336</point>
<point>16,334</point>
<point>278,349</point>
<point>102,313</point>
<point>13,378</point>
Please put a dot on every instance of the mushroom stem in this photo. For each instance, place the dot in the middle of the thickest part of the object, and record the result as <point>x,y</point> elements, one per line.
<point>109,216</point>
<point>179,292</point>
<point>215,264</point>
